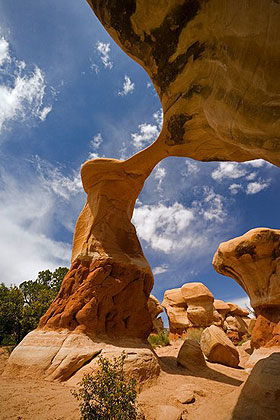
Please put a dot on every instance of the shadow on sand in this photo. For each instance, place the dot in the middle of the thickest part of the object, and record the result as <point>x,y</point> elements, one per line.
<point>169,365</point>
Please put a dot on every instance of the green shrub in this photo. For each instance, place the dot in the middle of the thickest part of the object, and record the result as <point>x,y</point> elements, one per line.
<point>107,395</point>
<point>159,340</point>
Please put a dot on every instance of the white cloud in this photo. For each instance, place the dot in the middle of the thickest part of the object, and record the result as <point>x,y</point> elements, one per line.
<point>22,93</point>
<point>211,206</point>
<point>44,113</point>
<point>230,170</point>
<point>234,188</point>
<point>26,212</point>
<point>243,302</point>
<point>160,269</point>
<point>147,133</point>
<point>52,179</point>
<point>96,141</point>
<point>191,168</point>
<point>4,51</point>
<point>256,187</point>
<point>161,226</point>
<point>128,87</point>
<point>251,176</point>
<point>158,116</point>
<point>256,163</point>
<point>104,52</point>
<point>160,173</point>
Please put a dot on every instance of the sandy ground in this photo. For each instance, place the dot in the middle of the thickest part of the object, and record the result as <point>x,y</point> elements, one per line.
<point>214,390</point>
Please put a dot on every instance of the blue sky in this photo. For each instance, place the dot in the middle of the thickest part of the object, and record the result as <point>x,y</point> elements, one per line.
<point>67,93</point>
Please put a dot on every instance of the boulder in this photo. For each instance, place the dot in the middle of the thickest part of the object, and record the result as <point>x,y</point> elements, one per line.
<point>199,302</point>
<point>259,354</point>
<point>184,395</point>
<point>67,356</point>
<point>221,307</point>
<point>168,412</point>
<point>218,348</point>
<point>253,260</point>
<point>259,397</point>
<point>190,355</point>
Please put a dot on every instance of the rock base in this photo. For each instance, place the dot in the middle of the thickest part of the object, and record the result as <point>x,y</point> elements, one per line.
<point>67,356</point>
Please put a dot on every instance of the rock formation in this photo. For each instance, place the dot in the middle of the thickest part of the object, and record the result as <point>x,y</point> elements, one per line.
<point>218,348</point>
<point>215,66</point>
<point>104,296</point>
<point>253,260</point>
<point>155,309</point>
<point>192,307</point>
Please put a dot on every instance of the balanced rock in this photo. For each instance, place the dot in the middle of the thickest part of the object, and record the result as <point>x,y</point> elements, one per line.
<point>199,302</point>
<point>190,355</point>
<point>155,309</point>
<point>217,78</point>
<point>218,348</point>
<point>253,260</point>
<point>176,310</point>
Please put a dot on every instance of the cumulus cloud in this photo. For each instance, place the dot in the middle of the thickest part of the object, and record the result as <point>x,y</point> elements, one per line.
<point>256,187</point>
<point>96,141</point>
<point>146,134</point>
<point>234,188</point>
<point>103,49</point>
<point>211,206</point>
<point>230,170</point>
<point>190,169</point>
<point>160,225</point>
<point>128,87</point>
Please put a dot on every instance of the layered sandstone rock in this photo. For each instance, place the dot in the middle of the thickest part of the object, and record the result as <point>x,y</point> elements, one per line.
<point>218,348</point>
<point>215,67</point>
<point>253,260</point>
<point>191,306</point>
<point>155,309</point>
<point>104,296</point>
<point>199,302</point>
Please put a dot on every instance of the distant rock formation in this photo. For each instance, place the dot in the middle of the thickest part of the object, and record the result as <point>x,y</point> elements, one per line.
<point>193,307</point>
<point>253,260</point>
<point>155,309</point>
<point>215,66</point>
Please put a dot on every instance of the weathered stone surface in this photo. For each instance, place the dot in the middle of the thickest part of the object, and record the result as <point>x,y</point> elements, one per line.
<point>168,412</point>
<point>199,301</point>
<point>67,356</point>
<point>185,396</point>
<point>218,348</point>
<point>176,309</point>
<point>253,260</point>
<point>259,397</point>
<point>222,307</point>
<point>215,67</point>
<point>190,355</point>
<point>155,309</point>
<point>259,354</point>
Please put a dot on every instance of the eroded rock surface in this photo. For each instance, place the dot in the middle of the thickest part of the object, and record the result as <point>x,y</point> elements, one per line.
<point>253,260</point>
<point>190,355</point>
<point>155,310</point>
<point>215,66</point>
<point>218,348</point>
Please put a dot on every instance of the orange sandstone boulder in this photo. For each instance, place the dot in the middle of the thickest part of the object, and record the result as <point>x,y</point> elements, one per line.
<point>190,355</point>
<point>218,348</point>
<point>155,309</point>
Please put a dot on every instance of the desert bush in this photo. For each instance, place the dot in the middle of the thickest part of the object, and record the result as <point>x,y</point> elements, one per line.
<point>107,395</point>
<point>193,334</point>
<point>159,340</point>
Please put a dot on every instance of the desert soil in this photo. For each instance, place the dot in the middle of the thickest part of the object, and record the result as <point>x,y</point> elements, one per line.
<point>215,390</point>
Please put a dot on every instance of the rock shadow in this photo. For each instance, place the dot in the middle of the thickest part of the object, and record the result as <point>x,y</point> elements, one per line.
<point>169,365</point>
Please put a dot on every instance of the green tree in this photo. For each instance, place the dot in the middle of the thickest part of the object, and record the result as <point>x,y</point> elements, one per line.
<point>11,314</point>
<point>22,307</point>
